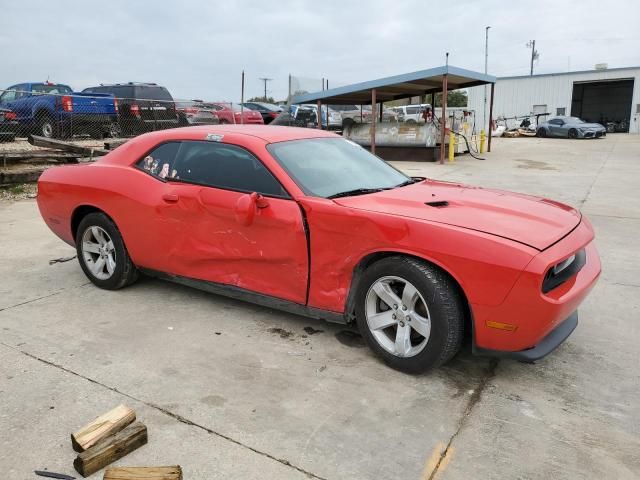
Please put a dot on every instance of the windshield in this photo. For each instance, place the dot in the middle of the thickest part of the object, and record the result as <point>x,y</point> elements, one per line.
<point>52,89</point>
<point>325,167</point>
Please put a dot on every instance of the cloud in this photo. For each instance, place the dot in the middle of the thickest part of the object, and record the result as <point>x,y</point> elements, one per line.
<point>198,48</point>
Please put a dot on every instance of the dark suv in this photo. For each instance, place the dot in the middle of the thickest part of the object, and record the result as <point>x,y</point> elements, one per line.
<point>142,107</point>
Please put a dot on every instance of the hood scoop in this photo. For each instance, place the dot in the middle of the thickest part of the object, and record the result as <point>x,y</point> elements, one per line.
<point>437,204</point>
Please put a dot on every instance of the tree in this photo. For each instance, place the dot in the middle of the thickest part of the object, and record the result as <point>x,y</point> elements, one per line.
<point>262,99</point>
<point>455,98</point>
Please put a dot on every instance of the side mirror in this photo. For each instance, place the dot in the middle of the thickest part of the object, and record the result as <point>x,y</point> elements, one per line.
<point>247,206</point>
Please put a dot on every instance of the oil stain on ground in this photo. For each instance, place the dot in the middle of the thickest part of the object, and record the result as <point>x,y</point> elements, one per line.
<point>312,331</point>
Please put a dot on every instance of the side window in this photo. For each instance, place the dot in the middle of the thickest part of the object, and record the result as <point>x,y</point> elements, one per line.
<point>225,166</point>
<point>560,111</point>
<point>8,96</point>
<point>160,162</point>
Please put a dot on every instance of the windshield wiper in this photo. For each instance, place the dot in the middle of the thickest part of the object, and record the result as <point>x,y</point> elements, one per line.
<point>405,183</point>
<point>356,191</point>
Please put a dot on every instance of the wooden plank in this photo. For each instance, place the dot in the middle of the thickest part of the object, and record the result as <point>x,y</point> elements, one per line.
<point>103,426</point>
<point>111,449</point>
<point>143,473</point>
<point>37,141</point>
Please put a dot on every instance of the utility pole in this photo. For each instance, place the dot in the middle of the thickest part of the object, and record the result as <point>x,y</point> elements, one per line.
<point>486,64</point>
<point>534,53</point>
<point>265,80</point>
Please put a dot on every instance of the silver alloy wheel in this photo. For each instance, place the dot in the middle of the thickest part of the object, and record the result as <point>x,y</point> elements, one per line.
<point>398,316</point>
<point>98,252</point>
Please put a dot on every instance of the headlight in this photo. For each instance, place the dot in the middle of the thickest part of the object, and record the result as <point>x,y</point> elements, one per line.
<point>563,271</point>
<point>562,265</point>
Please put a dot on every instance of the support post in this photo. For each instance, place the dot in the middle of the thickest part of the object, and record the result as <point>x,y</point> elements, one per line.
<point>381,111</point>
<point>373,121</point>
<point>242,101</point>
<point>493,86</point>
<point>319,113</point>
<point>443,118</point>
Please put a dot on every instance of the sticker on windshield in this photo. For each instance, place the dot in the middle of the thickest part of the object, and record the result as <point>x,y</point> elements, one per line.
<point>214,137</point>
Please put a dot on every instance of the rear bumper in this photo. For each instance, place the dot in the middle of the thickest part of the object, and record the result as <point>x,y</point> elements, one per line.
<point>80,120</point>
<point>547,345</point>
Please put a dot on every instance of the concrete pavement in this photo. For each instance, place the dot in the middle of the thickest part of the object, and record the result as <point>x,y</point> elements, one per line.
<point>232,390</point>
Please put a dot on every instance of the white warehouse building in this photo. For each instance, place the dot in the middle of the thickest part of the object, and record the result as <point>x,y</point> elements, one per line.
<point>601,96</point>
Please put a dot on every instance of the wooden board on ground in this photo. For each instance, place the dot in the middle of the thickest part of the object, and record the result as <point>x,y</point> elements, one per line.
<point>37,141</point>
<point>111,449</point>
<point>143,473</point>
<point>103,426</point>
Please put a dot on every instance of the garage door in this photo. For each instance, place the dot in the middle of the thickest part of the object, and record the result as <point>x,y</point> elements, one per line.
<point>603,102</point>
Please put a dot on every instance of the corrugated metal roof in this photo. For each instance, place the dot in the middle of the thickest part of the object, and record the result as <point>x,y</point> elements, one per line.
<point>398,86</point>
<point>577,72</point>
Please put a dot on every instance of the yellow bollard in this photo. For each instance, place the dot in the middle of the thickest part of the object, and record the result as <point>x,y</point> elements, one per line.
<point>452,145</point>
<point>483,139</point>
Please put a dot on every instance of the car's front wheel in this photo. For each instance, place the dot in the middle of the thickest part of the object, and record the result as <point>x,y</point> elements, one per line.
<point>410,313</point>
<point>102,253</point>
<point>541,133</point>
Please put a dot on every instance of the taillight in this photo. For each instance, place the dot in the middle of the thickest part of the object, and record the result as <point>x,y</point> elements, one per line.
<point>135,109</point>
<point>115,104</point>
<point>10,115</point>
<point>67,103</point>
<point>273,114</point>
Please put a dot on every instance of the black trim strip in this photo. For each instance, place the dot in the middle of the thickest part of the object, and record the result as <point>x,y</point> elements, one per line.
<point>249,296</point>
<point>547,345</point>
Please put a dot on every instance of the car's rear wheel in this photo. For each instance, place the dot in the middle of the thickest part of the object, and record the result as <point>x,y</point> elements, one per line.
<point>102,253</point>
<point>410,312</point>
<point>47,126</point>
<point>573,133</point>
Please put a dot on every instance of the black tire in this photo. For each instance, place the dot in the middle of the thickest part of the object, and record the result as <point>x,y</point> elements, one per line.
<point>542,133</point>
<point>125,272</point>
<point>47,126</point>
<point>347,123</point>
<point>573,133</point>
<point>445,307</point>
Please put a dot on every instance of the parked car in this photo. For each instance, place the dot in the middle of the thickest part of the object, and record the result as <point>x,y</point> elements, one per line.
<point>411,113</point>
<point>335,118</point>
<point>354,114</point>
<point>196,112</point>
<point>570,127</point>
<point>8,125</point>
<point>305,221</point>
<point>54,110</point>
<point>232,113</point>
<point>268,111</point>
<point>142,107</point>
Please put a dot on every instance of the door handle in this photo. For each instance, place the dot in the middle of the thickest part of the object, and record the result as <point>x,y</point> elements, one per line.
<point>170,197</point>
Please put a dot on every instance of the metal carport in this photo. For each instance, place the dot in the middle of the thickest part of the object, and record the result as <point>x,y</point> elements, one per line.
<point>423,82</point>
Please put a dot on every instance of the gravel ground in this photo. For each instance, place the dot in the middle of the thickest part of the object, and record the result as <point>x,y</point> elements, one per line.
<point>19,191</point>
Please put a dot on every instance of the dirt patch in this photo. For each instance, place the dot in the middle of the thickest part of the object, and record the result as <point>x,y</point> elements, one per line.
<point>312,331</point>
<point>534,164</point>
<point>281,331</point>
<point>19,191</point>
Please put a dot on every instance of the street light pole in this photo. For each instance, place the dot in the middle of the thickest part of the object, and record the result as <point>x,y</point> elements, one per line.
<point>486,64</point>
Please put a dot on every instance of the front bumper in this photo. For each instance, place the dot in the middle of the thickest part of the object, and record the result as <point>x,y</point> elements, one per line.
<point>547,345</point>
<point>592,134</point>
<point>528,315</point>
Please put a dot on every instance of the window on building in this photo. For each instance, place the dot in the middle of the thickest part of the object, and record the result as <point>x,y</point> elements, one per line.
<point>560,111</point>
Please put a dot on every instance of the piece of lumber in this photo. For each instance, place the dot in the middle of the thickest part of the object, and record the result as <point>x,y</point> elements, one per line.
<point>107,424</point>
<point>143,473</point>
<point>111,449</point>
<point>38,141</point>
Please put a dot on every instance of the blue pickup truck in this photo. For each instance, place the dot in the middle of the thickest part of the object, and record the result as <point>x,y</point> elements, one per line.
<point>54,110</point>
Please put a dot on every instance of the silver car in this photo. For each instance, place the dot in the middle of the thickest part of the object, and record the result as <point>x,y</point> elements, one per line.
<point>570,127</point>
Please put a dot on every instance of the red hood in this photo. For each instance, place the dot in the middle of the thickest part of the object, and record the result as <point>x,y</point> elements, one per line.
<point>533,221</point>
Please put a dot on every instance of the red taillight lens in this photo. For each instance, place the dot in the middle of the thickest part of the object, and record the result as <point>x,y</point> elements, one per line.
<point>135,109</point>
<point>115,104</point>
<point>273,114</point>
<point>10,115</point>
<point>67,104</point>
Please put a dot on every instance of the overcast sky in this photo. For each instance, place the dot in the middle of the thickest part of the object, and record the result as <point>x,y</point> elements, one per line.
<point>198,48</point>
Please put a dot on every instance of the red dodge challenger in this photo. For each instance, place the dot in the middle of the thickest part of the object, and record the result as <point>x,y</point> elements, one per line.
<point>305,221</point>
